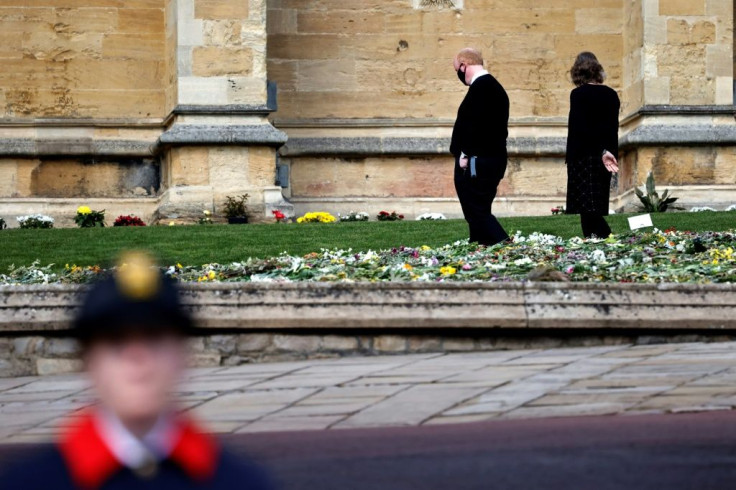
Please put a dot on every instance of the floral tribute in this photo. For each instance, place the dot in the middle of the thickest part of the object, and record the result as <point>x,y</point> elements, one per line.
<point>318,217</point>
<point>352,216</point>
<point>35,221</point>
<point>2,224</point>
<point>279,216</point>
<point>558,210</point>
<point>431,217</point>
<point>654,257</point>
<point>87,218</point>
<point>129,220</point>
<point>392,216</point>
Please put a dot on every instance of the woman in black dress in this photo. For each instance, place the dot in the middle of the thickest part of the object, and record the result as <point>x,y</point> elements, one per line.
<point>592,145</point>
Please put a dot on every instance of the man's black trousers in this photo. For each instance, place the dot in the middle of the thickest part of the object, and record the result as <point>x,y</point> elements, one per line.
<point>476,196</point>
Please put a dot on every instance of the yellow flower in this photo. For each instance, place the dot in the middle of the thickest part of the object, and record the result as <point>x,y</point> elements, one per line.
<point>425,248</point>
<point>408,267</point>
<point>317,217</point>
<point>448,271</point>
<point>211,275</point>
<point>207,212</point>
<point>84,210</point>
<point>179,266</point>
<point>171,223</point>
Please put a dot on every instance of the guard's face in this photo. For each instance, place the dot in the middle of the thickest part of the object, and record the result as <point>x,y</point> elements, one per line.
<point>135,376</point>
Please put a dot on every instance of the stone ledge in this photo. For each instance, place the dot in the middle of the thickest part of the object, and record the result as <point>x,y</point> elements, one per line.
<point>202,134</point>
<point>367,146</point>
<point>410,306</point>
<point>680,135</point>
<point>32,147</point>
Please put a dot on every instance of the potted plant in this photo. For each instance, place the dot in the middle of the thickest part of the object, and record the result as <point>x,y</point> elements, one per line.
<point>88,218</point>
<point>235,209</point>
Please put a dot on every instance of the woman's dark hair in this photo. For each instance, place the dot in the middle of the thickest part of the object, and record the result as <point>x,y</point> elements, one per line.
<point>587,69</point>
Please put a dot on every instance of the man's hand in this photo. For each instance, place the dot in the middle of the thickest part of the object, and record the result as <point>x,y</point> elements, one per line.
<point>610,162</point>
<point>464,162</point>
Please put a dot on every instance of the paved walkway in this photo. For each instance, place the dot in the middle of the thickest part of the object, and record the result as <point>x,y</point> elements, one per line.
<point>415,389</point>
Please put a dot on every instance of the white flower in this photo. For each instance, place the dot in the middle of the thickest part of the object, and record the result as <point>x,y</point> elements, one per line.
<point>431,217</point>
<point>700,209</point>
<point>732,207</point>
<point>598,256</point>
<point>38,217</point>
<point>523,261</point>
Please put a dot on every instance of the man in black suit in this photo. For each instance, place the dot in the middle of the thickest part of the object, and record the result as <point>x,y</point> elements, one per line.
<point>479,146</point>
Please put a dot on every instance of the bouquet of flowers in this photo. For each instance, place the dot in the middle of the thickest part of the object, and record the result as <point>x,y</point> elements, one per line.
<point>279,216</point>
<point>2,224</point>
<point>353,216</point>
<point>392,216</point>
<point>87,218</point>
<point>318,217</point>
<point>129,220</point>
<point>558,210</point>
<point>431,217</point>
<point>35,221</point>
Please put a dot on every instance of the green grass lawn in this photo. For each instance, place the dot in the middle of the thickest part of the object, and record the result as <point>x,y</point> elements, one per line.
<point>196,245</point>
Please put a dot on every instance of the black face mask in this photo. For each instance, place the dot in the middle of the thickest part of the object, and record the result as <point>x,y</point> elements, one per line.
<point>461,75</point>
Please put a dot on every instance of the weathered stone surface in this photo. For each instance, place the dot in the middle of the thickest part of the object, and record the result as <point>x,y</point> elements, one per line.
<point>390,343</point>
<point>254,342</point>
<point>45,367</point>
<point>259,134</point>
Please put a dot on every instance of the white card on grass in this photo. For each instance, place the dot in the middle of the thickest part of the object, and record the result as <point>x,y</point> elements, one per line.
<point>639,222</point>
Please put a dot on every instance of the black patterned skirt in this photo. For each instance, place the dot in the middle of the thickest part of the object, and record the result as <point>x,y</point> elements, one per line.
<point>588,187</point>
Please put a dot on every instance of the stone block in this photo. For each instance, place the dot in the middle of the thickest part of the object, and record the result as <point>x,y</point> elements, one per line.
<point>680,31</point>
<point>682,7</point>
<point>281,21</point>
<point>222,33</point>
<point>205,359</point>
<point>297,343</point>
<point>340,343</point>
<point>696,91</point>
<point>59,347</point>
<point>425,344</point>
<point>255,342</point>
<point>458,344</point>
<point>326,76</point>
<point>188,166</point>
<point>141,21</point>
<point>390,344</point>
<point>339,22</point>
<point>221,9</point>
<point>211,61</point>
<point>222,344</point>
<point>599,20</point>
<point>138,46</point>
<point>46,367</point>
<point>719,62</point>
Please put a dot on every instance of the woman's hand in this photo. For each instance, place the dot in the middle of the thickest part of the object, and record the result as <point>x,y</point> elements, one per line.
<point>610,162</point>
<point>463,162</point>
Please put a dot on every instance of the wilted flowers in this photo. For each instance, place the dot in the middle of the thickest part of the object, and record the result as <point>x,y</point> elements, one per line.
<point>653,257</point>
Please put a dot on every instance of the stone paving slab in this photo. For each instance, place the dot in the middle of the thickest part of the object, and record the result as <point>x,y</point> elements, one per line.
<point>413,390</point>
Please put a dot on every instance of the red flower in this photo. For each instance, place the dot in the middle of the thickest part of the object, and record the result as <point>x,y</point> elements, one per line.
<point>278,215</point>
<point>128,220</point>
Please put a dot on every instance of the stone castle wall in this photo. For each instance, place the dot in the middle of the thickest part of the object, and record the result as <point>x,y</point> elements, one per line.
<point>162,107</point>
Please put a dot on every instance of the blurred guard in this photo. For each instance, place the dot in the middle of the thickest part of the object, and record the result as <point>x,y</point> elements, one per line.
<point>133,332</point>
